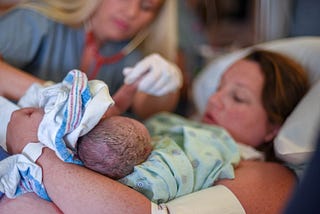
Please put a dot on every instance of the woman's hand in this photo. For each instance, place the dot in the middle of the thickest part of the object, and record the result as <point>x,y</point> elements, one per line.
<point>158,76</point>
<point>23,128</point>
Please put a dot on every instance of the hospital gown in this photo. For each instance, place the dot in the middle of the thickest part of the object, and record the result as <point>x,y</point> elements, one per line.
<point>187,157</point>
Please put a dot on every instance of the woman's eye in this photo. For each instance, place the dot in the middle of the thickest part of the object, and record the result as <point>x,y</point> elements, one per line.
<point>148,5</point>
<point>237,98</point>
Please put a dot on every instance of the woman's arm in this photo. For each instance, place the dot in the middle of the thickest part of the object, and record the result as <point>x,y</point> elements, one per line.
<point>75,189</point>
<point>261,187</point>
<point>27,203</point>
<point>14,82</point>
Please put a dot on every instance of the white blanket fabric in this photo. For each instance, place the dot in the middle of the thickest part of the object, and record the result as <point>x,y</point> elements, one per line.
<point>72,108</point>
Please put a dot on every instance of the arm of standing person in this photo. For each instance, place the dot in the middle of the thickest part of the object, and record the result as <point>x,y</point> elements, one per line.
<point>146,105</point>
<point>159,85</point>
<point>14,83</point>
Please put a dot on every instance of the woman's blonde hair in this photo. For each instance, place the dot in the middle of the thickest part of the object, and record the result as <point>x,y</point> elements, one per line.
<point>162,33</point>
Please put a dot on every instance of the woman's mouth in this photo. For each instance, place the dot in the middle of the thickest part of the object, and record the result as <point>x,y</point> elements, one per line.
<point>122,25</point>
<point>209,119</point>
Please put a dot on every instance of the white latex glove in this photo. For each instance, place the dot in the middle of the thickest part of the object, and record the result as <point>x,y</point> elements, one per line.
<point>158,76</point>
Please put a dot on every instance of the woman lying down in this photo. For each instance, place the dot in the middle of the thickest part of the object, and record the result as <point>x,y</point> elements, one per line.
<point>251,104</point>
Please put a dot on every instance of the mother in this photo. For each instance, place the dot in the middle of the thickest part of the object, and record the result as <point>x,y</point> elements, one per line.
<point>251,103</point>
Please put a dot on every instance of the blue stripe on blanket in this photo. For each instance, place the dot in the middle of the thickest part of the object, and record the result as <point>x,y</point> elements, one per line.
<point>76,109</point>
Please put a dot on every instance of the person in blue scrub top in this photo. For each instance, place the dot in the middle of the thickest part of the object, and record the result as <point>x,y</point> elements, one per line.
<point>111,40</point>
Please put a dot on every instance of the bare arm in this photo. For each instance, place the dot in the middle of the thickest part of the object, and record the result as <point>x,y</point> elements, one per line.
<point>75,189</point>
<point>261,187</point>
<point>14,82</point>
<point>145,105</point>
<point>27,203</point>
<point>123,99</point>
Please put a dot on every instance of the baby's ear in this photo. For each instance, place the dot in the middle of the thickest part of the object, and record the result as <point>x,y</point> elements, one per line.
<point>272,132</point>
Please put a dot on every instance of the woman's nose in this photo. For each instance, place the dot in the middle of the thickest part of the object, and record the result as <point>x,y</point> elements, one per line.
<point>133,8</point>
<point>215,100</point>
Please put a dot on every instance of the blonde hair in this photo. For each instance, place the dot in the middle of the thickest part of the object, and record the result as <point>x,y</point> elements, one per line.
<point>77,12</point>
<point>163,36</point>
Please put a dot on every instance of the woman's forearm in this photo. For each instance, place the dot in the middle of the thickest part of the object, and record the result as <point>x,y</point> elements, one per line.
<point>13,82</point>
<point>75,189</point>
<point>27,203</point>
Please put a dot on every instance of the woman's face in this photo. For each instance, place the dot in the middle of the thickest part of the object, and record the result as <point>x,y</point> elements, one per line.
<point>237,105</point>
<point>119,20</point>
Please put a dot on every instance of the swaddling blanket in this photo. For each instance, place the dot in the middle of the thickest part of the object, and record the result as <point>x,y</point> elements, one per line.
<point>72,108</point>
<point>187,156</point>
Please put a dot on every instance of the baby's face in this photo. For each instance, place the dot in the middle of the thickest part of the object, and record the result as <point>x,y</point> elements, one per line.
<point>23,126</point>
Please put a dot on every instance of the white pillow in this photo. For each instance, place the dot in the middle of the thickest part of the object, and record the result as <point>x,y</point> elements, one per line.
<point>295,141</point>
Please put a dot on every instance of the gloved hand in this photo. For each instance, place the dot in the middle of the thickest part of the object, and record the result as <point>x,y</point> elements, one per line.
<point>157,76</point>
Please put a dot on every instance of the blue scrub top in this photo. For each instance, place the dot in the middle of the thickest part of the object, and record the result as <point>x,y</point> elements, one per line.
<point>49,50</point>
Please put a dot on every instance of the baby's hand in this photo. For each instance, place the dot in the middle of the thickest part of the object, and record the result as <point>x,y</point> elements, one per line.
<point>23,128</point>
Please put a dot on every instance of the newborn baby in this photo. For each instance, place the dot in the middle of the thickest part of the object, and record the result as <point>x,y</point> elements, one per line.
<point>114,146</point>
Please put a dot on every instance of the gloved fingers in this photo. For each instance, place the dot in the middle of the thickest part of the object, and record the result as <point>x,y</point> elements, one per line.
<point>160,83</point>
<point>149,80</point>
<point>156,75</point>
<point>169,82</point>
<point>126,71</point>
<point>137,71</point>
<point>166,86</point>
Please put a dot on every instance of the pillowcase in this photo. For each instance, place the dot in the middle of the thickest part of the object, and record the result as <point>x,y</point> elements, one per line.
<point>295,142</point>
<point>296,139</point>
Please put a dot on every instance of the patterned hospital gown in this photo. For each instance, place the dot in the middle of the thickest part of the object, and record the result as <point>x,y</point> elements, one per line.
<point>187,157</point>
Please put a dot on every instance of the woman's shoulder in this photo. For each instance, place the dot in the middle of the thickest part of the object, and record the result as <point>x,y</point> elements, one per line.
<point>30,21</point>
<point>23,14</point>
<point>25,17</point>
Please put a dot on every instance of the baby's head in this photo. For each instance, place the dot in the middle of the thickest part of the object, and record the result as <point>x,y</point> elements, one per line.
<point>114,146</point>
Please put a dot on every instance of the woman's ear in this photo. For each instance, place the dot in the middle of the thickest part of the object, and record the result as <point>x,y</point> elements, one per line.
<point>272,132</point>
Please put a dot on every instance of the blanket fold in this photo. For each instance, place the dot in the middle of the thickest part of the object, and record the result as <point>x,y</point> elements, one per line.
<point>72,108</point>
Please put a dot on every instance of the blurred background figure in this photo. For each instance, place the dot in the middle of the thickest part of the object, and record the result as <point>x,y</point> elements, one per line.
<point>192,38</point>
<point>210,29</point>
